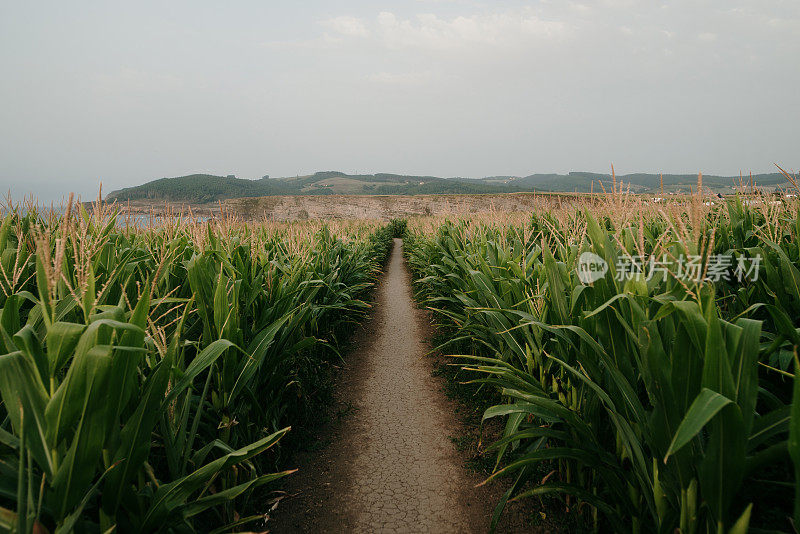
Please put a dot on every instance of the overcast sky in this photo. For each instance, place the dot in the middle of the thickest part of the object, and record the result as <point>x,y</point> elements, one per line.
<point>125,92</point>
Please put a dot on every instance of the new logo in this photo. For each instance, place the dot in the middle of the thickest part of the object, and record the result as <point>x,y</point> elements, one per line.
<point>591,267</point>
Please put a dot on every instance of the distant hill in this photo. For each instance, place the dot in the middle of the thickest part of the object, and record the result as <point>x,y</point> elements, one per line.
<point>205,188</point>
<point>200,188</point>
<point>646,183</point>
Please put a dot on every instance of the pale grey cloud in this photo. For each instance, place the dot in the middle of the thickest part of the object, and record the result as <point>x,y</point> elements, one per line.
<point>431,31</point>
<point>348,26</point>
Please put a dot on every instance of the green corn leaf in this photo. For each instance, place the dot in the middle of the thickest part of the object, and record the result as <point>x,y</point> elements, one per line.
<point>61,340</point>
<point>69,523</point>
<point>21,387</point>
<point>705,406</point>
<point>202,362</point>
<point>223,497</point>
<point>794,435</point>
<point>89,393</point>
<point>64,408</point>
<point>135,438</point>
<point>742,524</point>
<point>170,496</point>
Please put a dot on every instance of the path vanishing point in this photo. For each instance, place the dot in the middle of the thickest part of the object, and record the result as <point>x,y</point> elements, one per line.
<point>390,465</point>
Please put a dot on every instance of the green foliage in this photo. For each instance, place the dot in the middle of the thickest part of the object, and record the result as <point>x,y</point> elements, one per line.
<point>147,375</point>
<point>201,188</point>
<point>398,227</point>
<point>656,402</point>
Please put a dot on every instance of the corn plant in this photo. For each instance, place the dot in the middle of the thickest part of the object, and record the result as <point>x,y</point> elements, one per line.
<point>644,400</point>
<point>146,374</point>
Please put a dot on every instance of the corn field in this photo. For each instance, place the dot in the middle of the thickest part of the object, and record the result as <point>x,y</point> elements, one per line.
<point>147,373</point>
<point>642,401</point>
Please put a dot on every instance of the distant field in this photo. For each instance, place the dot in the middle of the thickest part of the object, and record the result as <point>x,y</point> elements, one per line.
<point>378,207</point>
<point>375,207</point>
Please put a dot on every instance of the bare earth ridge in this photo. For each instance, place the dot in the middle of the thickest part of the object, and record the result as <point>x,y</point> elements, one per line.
<point>391,466</point>
<point>381,207</point>
<point>375,207</point>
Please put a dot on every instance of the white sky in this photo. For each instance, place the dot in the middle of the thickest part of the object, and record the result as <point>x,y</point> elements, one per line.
<point>125,92</point>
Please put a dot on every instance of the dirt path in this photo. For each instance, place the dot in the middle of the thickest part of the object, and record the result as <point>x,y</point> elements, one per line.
<point>390,465</point>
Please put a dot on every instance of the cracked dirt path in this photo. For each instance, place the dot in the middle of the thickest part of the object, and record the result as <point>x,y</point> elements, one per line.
<point>390,466</point>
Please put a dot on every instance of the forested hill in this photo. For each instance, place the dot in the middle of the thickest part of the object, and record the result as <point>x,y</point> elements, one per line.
<point>204,188</point>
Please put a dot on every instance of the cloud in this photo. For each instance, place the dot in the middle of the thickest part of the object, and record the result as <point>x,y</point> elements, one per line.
<point>707,37</point>
<point>581,9</point>
<point>431,31</point>
<point>618,4</point>
<point>347,26</point>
